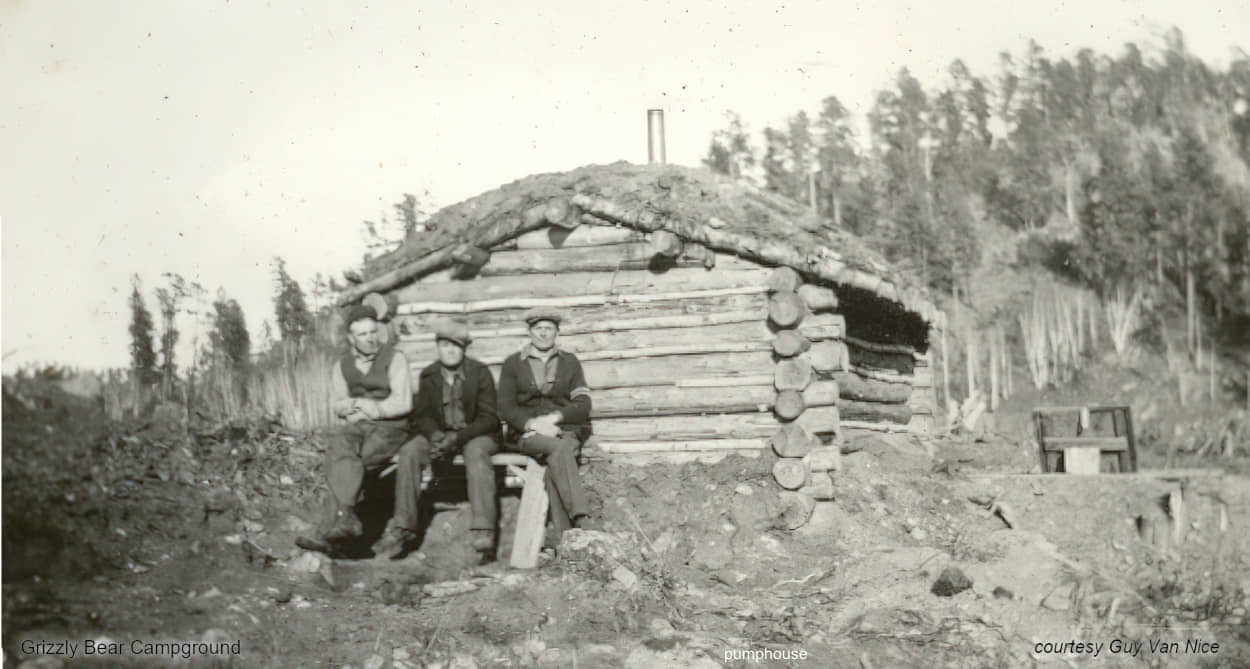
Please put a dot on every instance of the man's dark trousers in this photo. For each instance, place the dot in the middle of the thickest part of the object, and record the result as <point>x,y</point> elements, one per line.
<point>564,486</point>
<point>357,447</point>
<point>479,476</point>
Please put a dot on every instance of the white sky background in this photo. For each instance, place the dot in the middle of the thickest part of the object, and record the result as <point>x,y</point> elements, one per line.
<point>206,137</point>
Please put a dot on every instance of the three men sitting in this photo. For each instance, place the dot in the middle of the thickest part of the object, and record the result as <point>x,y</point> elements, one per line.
<point>543,398</point>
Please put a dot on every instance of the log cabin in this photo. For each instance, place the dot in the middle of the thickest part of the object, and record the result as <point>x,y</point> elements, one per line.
<point>709,315</point>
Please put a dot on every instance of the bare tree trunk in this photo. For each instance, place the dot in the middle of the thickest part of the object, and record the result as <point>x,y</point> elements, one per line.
<point>946,380</point>
<point>1069,191</point>
<point>1191,315</point>
<point>1220,261</point>
<point>1212,360</point>
<point>994,365</point>
<point>955,292</point>
<point>1190,307</point>
<point>837,209</point>
<point>971,363</point>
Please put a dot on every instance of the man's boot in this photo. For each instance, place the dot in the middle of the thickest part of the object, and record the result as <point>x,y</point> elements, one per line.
<point>346,525</point>
<point>394,541</point>
<point>483,542</point>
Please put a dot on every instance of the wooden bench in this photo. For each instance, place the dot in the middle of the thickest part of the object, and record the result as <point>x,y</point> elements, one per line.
<point>525,473</point>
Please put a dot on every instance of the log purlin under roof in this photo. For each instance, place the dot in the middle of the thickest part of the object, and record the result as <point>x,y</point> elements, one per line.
<point>696,204</point>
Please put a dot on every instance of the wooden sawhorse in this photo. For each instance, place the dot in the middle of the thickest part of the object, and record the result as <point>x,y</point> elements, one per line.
<point>1080,442</point>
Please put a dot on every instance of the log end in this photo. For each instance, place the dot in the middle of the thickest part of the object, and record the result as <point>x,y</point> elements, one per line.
<point>792,374</point>
<point>784,280</point>
<point>789,404</point>
<point>786,309</point>
<point>793,441</point>
<point>665,244</point>
<point>560,213</point>
<point>796,509</point>
<point>818,298</point>
<point>790,473</point>
<point>380,305</point>
<point>789,343</point>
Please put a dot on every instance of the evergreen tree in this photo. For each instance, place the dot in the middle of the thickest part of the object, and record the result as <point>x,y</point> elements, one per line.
<point>777,176</point>
<point>229,337</point>
<point>142,350</point>
<point>290,309</point>
<point>836,158</point>
<point>802,152</point>
<point>169,298</point>
<point>730,152</point>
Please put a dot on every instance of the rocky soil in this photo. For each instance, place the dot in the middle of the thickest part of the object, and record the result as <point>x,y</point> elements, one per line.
<point>121,533</point>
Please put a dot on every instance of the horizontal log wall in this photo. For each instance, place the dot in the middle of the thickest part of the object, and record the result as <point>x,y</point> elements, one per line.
<point>679,356</point>
<point>492,350</point>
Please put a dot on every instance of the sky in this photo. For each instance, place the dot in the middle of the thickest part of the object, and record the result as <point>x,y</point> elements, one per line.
<point>205,138</point>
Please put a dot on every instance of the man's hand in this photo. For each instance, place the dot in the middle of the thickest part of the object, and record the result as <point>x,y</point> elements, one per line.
<point>355,416</point>
<point>441,446</point>
<point>344,406</point>
<point>544,425</point>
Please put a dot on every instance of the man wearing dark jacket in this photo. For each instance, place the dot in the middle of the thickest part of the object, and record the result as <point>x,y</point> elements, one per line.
<point>455,413</point>
<point>544,398</point>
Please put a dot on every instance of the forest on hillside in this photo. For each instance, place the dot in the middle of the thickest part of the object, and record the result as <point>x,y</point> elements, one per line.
<point>1122,168</point>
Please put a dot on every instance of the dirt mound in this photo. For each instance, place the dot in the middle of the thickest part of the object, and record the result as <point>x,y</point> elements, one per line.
<point>146,530</point>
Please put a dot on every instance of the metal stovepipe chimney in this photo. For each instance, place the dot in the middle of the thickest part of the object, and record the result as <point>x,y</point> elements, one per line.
<point>655,136</point>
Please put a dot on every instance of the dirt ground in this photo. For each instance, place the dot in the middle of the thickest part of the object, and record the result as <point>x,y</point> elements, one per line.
<point>125,535</point>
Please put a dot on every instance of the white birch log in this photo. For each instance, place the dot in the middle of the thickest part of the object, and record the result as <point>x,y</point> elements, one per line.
<point>583,283</point>
<point>553,237</point>
<point>666,400</point>
<point>585,318</point>
<point>502,304</point>
<point>818,420</point>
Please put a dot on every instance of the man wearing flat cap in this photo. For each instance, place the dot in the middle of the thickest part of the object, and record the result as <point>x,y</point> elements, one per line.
<point>372,396</point>
<point>544,398</point>
<point>455,413</point>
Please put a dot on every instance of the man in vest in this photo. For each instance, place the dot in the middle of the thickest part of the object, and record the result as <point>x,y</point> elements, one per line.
<point>455,413</point>
<point>545,400</point>
<point>372,396</point>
